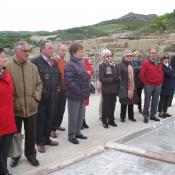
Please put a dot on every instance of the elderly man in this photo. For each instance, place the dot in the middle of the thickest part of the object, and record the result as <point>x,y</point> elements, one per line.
<point>152,77</point>
<point>27,94</point>
<point>61,98</point>
<point>50,76</point>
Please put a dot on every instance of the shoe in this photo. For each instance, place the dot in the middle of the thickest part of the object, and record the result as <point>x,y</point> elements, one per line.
<point>167,115</point>
<point>14,162</point>
<point>113,124</point>
<point>122,120</point>
<point>105,125</point>
<point>74,141</point>
<point>162,115</point>
<point>52,143</point>
<point>60,128</point>
<point>41,148</point>
<point>85,125</point>
<point>140,111</point>
<point>53,134</point>
<point>155,119</point>
<point>145,120</point>
<point>133,119</point>
<point>81,136</point>
<point>33,161</point>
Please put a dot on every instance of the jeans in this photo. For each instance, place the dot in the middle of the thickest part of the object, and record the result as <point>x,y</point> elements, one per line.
<point>151,100</point>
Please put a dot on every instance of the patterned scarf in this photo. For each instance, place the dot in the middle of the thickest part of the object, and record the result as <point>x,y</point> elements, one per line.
<point>131,86</point>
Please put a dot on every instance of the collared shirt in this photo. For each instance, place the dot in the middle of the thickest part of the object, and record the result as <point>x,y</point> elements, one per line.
<point>61,64</point>
<point>47,60</point>
<point>2,72</point>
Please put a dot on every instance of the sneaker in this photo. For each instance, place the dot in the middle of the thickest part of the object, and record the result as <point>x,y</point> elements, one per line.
<point>155,119</point>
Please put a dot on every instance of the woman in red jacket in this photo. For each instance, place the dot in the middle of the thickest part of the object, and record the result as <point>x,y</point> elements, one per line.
<point>90,72</point>
<point>7,119</point>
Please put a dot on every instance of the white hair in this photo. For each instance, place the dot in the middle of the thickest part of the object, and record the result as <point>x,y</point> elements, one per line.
<point>105,52</point>
<point>126,52</point>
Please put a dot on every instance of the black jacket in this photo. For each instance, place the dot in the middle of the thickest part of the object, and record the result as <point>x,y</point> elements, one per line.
<point>50,77</point>
<point>108,76</point>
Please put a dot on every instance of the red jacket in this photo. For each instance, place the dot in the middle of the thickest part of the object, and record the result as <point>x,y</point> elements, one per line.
<point>88,66</point>
<point>151,74</point>
<point>7,118</point>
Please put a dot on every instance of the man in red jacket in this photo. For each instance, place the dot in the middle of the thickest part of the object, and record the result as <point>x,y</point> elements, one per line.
<point>152,77</point>
<point>7,118</point>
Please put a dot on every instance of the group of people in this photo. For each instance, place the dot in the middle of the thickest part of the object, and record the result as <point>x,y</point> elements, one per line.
<point>34,93</point>
<point>155,75</point>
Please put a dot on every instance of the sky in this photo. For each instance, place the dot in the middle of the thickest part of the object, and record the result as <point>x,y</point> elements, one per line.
<point>51,15</point>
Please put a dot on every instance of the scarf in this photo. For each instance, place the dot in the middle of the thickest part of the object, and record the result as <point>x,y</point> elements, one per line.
<point>131,86</point>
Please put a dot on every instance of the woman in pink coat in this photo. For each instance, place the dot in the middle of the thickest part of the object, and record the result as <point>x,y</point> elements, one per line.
<point>7,119</point>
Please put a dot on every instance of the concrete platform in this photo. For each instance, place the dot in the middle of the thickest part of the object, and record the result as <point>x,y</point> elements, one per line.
<point>67,153</point>
<point>113,162</point>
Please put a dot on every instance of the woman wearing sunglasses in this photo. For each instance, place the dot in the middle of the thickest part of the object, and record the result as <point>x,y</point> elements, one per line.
<point>167,87</point>
<point>108,76</point>
<point>126,73</point>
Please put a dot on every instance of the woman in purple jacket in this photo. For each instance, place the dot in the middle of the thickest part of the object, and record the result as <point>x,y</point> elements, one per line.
<point>78,89</point>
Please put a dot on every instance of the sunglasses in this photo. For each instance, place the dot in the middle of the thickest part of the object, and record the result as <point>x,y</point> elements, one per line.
<point>25,51</point>
<point>128,55</point>
<point>109,56</point>
<point>166,57</point>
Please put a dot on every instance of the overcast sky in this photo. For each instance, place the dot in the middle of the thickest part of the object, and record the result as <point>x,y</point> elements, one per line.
<point>50,15</point>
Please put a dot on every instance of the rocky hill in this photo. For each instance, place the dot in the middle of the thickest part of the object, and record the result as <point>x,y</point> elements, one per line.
<point>131,17</point>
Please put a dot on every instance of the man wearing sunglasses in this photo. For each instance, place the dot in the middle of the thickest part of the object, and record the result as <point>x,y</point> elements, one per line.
<point>27,94</point>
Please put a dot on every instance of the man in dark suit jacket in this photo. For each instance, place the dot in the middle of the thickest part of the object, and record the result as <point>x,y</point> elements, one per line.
<point>51,77</point>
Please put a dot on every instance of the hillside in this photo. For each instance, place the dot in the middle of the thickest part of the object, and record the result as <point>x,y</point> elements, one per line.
<point>138,23</point>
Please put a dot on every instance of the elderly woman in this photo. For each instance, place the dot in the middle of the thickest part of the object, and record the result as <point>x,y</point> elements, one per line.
<point>167,87</point>
<point>126,75</point>
<point>78,89</point>
<point>136,63</point>
<point>108,76</point>
<point>7,119</point>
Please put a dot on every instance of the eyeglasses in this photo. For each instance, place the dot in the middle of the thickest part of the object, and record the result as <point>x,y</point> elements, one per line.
<point>128,55</point>
<point>109,56</point>
<point>166,57</point>
<point>25,51</point>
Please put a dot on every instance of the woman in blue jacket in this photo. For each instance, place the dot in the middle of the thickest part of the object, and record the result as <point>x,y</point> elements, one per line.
<point>78,89</point>
<point>167,87</point>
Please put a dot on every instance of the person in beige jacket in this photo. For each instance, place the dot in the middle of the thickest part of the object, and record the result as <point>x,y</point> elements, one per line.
<point>27,94</point>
